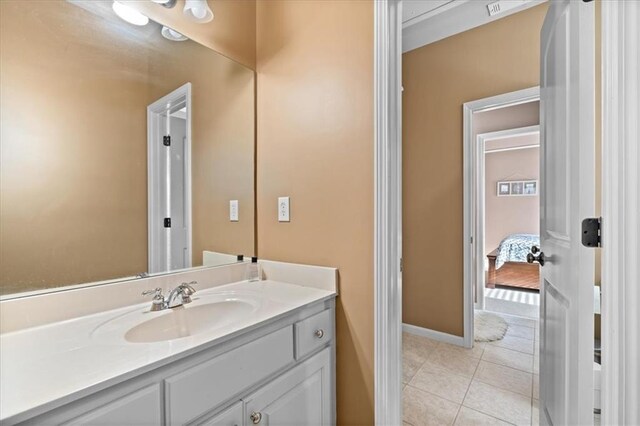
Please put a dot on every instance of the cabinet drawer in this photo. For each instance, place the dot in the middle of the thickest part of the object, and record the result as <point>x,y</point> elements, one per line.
<point>232,416</point>
<point>197,390</point>
<point>313,333</point>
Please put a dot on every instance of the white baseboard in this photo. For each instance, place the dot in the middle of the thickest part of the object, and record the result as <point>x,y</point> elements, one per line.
<point>433,334</point>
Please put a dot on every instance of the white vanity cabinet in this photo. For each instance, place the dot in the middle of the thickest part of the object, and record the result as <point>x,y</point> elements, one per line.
<point>280,373</point>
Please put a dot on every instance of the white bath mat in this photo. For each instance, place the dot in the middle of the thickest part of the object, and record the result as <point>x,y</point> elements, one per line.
<point>489,327</point>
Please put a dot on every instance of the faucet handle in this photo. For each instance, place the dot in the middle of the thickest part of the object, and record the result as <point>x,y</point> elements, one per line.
<point>187,289</point>
<point>157,292</point>
<point>158,299</point>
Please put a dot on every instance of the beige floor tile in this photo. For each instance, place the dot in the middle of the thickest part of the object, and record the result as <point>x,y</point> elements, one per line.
<point>475,352</point>
<point>535,413</point>
<point>508,357</point>
<point>417,345</point>
<point>515,343</point>
<point>504,377</point>
<point>504,405</point>
<point>411,363</point>
<point>521,331</point>
<point>441,382</point>
<point>454,363</point>
<point>422,408</point>
<point>536,386</point>
<point>470,417</point>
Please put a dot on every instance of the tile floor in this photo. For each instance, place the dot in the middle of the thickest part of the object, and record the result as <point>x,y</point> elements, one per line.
<point>493,383</point>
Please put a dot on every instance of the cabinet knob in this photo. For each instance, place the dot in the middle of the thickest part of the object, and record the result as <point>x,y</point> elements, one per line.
<point>319,333</point>
<point>255,417</point>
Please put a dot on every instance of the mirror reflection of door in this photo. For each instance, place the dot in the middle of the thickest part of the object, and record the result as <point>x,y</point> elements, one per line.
<point>169,181</point>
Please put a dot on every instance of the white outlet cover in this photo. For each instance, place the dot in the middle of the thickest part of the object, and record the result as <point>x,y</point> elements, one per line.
<point>283,209</point>
<point>234,214</point>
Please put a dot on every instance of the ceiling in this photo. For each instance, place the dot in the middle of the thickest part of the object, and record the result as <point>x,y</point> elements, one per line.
<point>427,21</point>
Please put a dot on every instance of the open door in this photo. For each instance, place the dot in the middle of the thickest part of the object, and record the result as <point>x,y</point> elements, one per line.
<point>567,104</point>
<point>169,181</point>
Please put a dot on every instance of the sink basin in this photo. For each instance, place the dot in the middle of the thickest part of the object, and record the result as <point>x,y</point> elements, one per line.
<point>188,320</point>
<point>207,312</point>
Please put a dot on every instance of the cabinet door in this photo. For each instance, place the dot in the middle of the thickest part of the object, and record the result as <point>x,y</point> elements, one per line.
<point>138,408</point>
<point>232,416</point>
<point>301,396</point>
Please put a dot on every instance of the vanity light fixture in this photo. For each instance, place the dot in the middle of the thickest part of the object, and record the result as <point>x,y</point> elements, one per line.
<point>129,14</point>
<point>166,3</point>
<point>171,34</point>
<point>198,11</point>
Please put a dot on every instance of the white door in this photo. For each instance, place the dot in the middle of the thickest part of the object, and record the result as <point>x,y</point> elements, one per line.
<point>567,178</point>
<point>169,181</point>
<point>172,253</point>
<point>177,196</point>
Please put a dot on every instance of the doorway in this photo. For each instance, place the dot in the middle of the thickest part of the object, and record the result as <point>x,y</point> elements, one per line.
<point>620,182</point>
<point>494,277</point>
<point>169,181</point>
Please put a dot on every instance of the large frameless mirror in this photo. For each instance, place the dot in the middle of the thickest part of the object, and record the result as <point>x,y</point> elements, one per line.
<point>127,149</point>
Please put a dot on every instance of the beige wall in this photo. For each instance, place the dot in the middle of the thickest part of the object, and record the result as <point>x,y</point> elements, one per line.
<point>496,58</point>
<point>231,33</point>
<point>510,215</point>
<point>315,133</point>
<point>73,99</point>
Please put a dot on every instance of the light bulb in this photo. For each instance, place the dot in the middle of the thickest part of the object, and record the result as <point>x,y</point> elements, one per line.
<point>171,34</point>
<point>129,14</point>
<point>198,11</point>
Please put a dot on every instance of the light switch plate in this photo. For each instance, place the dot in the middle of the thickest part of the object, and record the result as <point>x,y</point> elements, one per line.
<point>283,209</point>
<point>233,211</point>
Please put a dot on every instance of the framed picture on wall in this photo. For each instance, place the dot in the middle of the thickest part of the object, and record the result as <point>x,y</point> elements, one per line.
<point>517,188</point>
<point>530,187</point>
<point>504,188</point>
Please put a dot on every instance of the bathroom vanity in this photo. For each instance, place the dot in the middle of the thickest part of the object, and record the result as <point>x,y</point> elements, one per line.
<point>240,353</point>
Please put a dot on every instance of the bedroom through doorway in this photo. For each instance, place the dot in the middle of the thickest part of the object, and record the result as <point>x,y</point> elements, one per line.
<point>511,208</point>
<point>509,153</point>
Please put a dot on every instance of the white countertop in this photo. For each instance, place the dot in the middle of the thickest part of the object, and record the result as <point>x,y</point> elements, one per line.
<point>46,366</point>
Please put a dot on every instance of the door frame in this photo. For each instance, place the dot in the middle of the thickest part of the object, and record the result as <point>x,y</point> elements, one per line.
<point>473,229</point>
<point>154,212</point>
<point>387,259</point>
<point>620,205</point>
<point>477,189</point>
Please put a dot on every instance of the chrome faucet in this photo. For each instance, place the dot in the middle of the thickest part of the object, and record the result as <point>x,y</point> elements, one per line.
<point>179,296</point>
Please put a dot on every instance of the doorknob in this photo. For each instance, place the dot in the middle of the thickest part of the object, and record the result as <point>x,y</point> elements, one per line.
<point>255,417</point>
<point>531,257</point>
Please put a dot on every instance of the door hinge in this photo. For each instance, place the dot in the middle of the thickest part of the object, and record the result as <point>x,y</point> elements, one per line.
<point>166,140</point>
<point>591,232</point>
<point>401,265</point>
<point>167,222</point>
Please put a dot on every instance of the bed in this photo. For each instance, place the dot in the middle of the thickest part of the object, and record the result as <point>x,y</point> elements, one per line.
<point>508,265</point>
